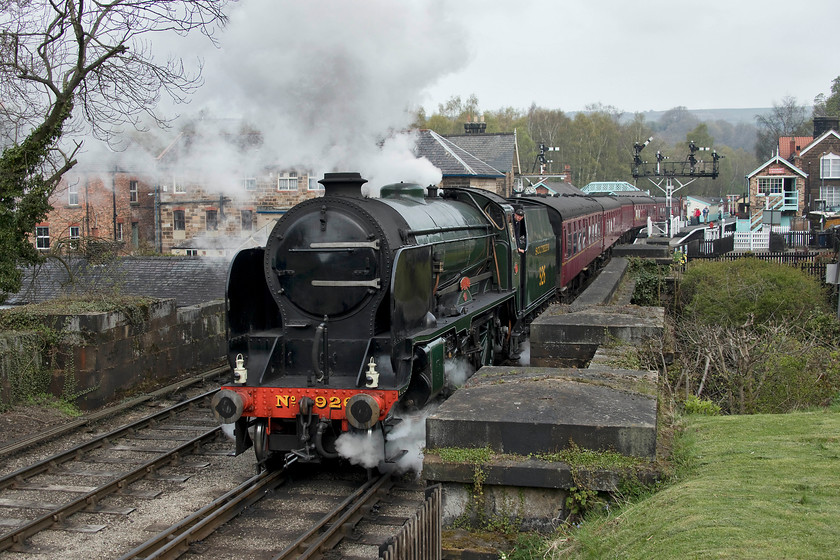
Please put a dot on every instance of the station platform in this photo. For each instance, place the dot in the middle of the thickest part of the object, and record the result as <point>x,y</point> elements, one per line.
<point>524,416</point>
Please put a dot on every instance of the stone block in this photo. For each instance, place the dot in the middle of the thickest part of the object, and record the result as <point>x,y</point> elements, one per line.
<point>542,410</point>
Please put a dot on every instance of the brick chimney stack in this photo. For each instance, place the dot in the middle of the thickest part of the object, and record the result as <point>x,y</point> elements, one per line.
<point>474,126</point>
<point>824,124</point>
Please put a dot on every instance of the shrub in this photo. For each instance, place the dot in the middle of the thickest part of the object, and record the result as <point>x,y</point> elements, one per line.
<point>749,290</point>
<point>755,337</point>
<point>695,405</point>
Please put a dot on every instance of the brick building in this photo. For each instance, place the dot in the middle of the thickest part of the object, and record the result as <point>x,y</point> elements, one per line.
<point>104,201</point>
<point>776,193</point>
<point>818,156</point>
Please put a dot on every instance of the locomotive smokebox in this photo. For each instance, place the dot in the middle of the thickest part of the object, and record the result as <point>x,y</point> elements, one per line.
<point>343,184</point>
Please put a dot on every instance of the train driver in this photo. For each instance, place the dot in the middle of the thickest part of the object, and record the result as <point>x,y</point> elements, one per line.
<point>519,229</point>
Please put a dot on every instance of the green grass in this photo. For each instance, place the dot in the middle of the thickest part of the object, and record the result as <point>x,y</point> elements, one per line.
<point>760,486</point>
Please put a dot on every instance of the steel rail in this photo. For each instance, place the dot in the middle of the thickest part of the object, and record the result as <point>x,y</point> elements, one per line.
<point>52,433</point>
<point>176,540</point>
<point>319,537</point>
<point>20,475</point>
<point>89,501</point>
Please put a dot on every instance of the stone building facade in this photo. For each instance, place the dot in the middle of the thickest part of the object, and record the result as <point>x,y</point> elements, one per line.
<point>195,221</point>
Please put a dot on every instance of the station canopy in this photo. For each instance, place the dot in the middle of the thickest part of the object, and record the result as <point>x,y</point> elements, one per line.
<point>610,187</point>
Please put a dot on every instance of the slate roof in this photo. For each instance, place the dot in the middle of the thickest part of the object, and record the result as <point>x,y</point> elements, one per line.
<point>451,159</point>
<point>496,149</point>
<point>189,280</point>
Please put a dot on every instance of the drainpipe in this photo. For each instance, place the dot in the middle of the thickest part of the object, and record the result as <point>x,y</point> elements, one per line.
<point>87,207</point>
<point>114,200</point>
<point>158,240</point>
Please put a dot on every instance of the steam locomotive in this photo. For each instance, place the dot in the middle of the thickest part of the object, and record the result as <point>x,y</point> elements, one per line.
<point>352,309</point>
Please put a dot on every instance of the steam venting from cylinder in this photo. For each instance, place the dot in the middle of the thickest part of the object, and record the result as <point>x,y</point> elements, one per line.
<point>343,184</point>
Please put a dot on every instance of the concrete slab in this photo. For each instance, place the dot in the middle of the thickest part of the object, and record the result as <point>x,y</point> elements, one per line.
<point>542,410</point>
<point>561,337</point>
<point>602,289</point>
<point>642,251</point>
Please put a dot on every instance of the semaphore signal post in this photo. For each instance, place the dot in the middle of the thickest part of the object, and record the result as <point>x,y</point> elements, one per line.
<point>668,172</point>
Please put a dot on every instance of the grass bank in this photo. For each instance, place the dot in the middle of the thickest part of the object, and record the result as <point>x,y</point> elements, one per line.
<point>759,486</point>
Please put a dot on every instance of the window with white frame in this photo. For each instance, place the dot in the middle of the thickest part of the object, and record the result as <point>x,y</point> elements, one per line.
<point>132,191</point>
<point>830,166</point>
<point>178,186</point>
<point>287,182</point>
<point>770,185</point>
<point>42,238</point>
<point>119,231</point>
<point>73,194</point>
<point>831,195</point>
<point>249,184</point>
<point>314,185</point>
<point>74,237</point>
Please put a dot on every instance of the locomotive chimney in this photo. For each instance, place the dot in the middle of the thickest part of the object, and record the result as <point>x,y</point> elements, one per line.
<point>343,184</point>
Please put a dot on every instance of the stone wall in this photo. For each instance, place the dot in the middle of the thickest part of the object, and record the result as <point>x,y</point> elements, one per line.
<point>104,356</point>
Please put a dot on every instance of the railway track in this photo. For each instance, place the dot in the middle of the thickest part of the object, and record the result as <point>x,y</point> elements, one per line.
<point>34,440</point>
<point>281,515</point>
<point>338,522</point>
<point>102,497</point>
<point>135,452</point>
<point>313,542</point>
<point>176,540</point>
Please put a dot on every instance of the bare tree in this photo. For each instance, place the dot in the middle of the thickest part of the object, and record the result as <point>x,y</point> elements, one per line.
<point>67,64</point>
<point>787,118</point>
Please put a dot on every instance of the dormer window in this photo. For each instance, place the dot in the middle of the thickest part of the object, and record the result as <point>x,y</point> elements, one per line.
<point>830,166</point>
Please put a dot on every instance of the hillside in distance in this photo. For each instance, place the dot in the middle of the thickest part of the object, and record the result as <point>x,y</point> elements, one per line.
<point>732,116</point>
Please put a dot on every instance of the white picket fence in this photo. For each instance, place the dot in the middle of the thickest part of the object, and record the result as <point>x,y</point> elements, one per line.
<point>752,241</point>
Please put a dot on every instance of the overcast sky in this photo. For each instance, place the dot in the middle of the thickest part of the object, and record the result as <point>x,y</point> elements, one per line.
<point>647,54</point>
<point>635,56</point>
<point>327,80</point>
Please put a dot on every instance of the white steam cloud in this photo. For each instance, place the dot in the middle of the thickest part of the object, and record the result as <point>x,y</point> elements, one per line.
<point>331,85</point>
<point>365,449</point>
<point>525,353</point>
<point>369,451</point>
<point>457,371</point>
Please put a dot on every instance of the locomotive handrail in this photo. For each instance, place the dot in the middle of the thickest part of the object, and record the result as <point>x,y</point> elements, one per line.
<point>375,283</point>
<point>346,245</point>
<point>485,227</point>
<point>489,235</point>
